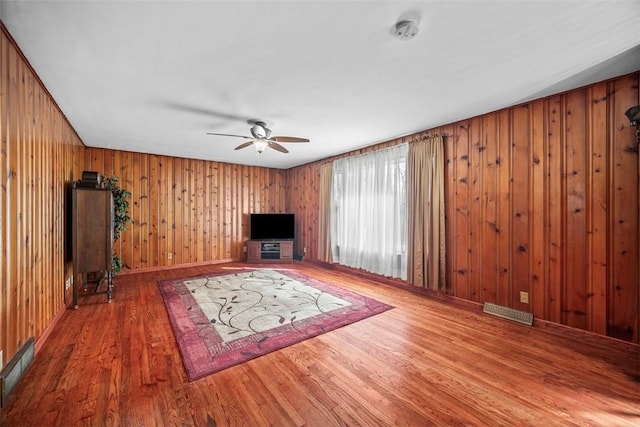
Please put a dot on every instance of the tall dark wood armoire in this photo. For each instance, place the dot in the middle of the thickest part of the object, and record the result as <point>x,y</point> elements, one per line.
<point>92,236</point>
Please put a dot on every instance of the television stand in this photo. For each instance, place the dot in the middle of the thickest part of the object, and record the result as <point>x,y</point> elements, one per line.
<point>269,251</point>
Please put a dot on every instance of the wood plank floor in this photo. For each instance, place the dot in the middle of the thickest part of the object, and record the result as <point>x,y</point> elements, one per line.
<point>425,362</point>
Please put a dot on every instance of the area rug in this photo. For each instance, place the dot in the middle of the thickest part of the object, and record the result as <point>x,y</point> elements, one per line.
<point>223,320</point>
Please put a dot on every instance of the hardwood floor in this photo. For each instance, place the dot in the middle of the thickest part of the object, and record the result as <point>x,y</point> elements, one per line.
<point>425,362</point>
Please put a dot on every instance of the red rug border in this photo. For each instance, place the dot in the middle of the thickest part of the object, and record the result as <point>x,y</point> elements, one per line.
<point>186,330</point>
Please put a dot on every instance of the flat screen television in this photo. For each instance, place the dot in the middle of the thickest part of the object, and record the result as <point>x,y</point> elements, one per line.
<point>270,226</point>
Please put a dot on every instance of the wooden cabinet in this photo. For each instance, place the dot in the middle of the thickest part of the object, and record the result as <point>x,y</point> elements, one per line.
<point>92,237</point>
<point>286,251</point>
<point>253,251</point>
<point>270,251</point>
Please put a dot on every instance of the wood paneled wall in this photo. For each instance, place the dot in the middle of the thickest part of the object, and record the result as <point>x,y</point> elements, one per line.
<point>541,198</point>
<point>40,154</point>
<point>187,211</point>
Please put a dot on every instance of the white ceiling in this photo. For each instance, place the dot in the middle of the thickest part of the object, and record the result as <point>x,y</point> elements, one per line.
<point>155,76</point>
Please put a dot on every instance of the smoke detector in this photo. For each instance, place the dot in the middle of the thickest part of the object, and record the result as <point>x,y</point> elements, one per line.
<point>406,29</point>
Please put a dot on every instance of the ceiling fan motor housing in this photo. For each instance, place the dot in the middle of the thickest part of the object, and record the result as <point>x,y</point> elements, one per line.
<point>406,30</point>
<point>260,131</point>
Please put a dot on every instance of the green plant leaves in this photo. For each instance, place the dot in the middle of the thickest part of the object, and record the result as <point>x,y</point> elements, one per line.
<point>121,213</point>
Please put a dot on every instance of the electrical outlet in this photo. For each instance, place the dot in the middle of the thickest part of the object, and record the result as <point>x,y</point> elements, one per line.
<point>244,249</point>
<point>304,250</point>
<point>67,283</point>
<point>169,255</point>
<point>524,297</point>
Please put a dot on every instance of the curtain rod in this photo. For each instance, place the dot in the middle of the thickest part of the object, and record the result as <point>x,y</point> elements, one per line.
<point>419,138</point>
<point>444,135</point>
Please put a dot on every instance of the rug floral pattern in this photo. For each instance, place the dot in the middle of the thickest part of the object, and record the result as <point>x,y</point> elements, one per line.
<point>243,304</point>
<point>222,320</point>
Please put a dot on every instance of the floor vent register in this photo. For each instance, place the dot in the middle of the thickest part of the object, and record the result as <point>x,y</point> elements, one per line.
<point>508,313</point>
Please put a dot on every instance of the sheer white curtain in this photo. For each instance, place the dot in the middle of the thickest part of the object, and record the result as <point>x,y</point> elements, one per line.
<point>369,211</point>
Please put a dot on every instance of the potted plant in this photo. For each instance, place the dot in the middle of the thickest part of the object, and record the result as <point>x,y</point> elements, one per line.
<point>121,214</point>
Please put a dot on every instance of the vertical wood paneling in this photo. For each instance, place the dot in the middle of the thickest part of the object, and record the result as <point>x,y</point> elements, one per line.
<point>205,208</point>
<point>520,213</point>
<point>191,209</point>
<point>476,210</point>
<point>15,283</point>
<point>5,323</point>
<point>214,203</point>
<point>555,244</point>
<point>40,155</point>
<point>226,207</point>
<point>489,203</point>
<point>460,242</point>
<point>576,199</point>
<point>199,235</point>
<point>145,220</point>
<point>597,222</point>
<point>176,220</point>
<point>540,198</point>
<point>538,164</point>
<point>168,191</point>
<point>126,238</point>
<point>504,209</point>
<point>450,208</point>
<point>623,322</point>
<point>153,203</point>
<point>196,210</point>
<point>136,211</point>
<point>303,200</point>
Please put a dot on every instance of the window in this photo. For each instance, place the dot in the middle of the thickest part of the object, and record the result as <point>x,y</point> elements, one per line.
<point>369,211</point>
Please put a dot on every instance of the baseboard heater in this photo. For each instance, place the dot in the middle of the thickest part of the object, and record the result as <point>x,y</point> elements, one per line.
<point>14,370</point>
<point>508,313</point>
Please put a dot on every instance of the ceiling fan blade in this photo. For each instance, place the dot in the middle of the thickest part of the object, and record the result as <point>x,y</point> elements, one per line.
<point>244,145</point>
<point>288,139</point>
<point>227,134</point>
<point>278,147</point>
<point>188,108</point>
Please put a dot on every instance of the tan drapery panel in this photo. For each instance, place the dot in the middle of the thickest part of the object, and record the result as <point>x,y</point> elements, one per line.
<point>324,214</point>
<point>426,264</point>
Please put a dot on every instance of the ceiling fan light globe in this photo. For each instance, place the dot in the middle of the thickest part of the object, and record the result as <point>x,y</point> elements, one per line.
<point>260,145</point>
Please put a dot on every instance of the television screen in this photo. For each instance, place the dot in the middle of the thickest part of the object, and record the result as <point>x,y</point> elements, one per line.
<point>272,226</point>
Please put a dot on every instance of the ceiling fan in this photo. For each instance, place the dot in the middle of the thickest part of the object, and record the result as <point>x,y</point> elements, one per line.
<point>262,138</point>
